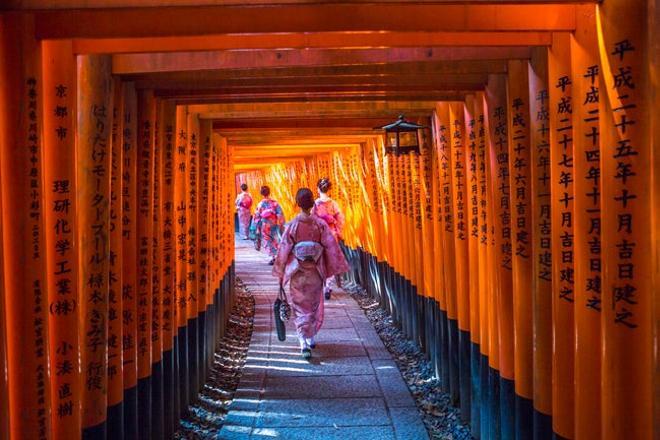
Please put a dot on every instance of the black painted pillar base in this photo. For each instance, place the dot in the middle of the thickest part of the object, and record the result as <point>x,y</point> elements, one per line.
<point>475,395</point>
<point>115,421</point>
<point>157,400</point>
<point>464,369</point>
<point>507,408</point>
<point>144,408</point>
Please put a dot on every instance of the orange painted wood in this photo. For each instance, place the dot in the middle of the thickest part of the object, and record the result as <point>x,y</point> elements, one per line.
<point>542,243</point>
<point>309,40</point>
<point>629,294</point>
<point>60,201</point>
<point>23,229</point>
<point>439,136</point>
<point>587,226</point>
<point>460,207</point>
<point>483,146</point>
<point>168,235</point>
<point>115,276</point>
<point>180,208</point>
<point>156,246</point>
<point>4,382</point>
<point>427,237</point>
<point>192,204</point>
<point>146,117</point>
<point>471,198</point>
<point>562,177</point>
<point>94,152</point>
<point>129,197</point>
<point>521,223</point>
<point>203,191</point>
<point>149,22</point>
<point>499,164</point>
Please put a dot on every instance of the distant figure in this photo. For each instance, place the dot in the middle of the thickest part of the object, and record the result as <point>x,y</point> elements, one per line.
<point>328,210</point>
<point>308,254</point>
<point>269,218</point>
<point>244,208</point>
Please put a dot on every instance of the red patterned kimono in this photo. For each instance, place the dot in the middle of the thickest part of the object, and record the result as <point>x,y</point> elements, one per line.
<point>306,278</point>
<point>244,206</point>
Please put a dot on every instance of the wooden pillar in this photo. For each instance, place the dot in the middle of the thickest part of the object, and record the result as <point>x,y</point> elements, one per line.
<point>562,177</point>
<point>541,245</point>
<point>23,229</point>
<point>180,227</point>
<point>629,297</point>
<point>145,145</point>
<point>167,139</point>
<point>521,228</point>
<point>157,403</point>
<point>202,243</point>
<point>93,180</point>
<point>461,232</point>
<point>448,244</point>
<point>587,224</point>
<point>440,146</point>
<point>59,100</point>
<point>485,350</point>
<point>192,256</point>
<point>129,259</point>
<point>115,282</point>
<point>472,233</point>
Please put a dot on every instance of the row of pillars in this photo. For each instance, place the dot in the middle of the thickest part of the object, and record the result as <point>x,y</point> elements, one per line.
<point>117,247</point>
<point>518,247</point>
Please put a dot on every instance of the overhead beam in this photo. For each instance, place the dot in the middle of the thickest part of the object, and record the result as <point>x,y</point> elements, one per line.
<point>310,40</point>
<point>339,17</point>
<point>252,124</point>
<point>338,70</point>
<point>123,64</point>
<point>300,110</point>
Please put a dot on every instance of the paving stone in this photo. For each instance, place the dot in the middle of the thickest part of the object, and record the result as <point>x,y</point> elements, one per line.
<point>322,412</point>
<point>408,424</point>
<point>234,432</point>
<point>321,387</point>
<point>340,366</point>
<point>339,433</point>
<point>395,390</point>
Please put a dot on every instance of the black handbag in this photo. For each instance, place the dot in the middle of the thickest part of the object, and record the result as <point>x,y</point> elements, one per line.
<point>282,313</point>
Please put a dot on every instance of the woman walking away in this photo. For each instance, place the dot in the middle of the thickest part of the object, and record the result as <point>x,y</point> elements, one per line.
<point>328,210</point>
<point>243,207</point>
<point>308,254</point>
<point>268,218</point>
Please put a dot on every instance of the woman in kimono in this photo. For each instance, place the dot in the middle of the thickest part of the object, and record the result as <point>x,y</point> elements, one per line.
<point>308,254</point>
<point>268,218</point>
<point>328,210</point>
<point>243,207</point>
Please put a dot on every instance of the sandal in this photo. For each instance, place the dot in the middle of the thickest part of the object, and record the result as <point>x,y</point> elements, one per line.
<point>306,353</point>
<point>328,293</point>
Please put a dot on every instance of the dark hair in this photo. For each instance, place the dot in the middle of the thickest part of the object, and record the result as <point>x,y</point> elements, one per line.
<point>324,185</point>
<point>244,186</point>
<point>305,198</point>
<point>265,191</point>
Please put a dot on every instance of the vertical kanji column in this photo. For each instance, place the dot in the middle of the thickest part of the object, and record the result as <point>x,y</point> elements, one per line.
<point>629,296</point>
<point>115,283</point>
<point>146,109</point>
<point>541,241</point>
<point>23,229</point>
<point>521,241</point>
<point>59,100</point>
<point>192,266</point>
<point>203,154</point>
<point>562,178</point>
<point>587,224</point>
<point>129,259</point>
<point>94,152</point>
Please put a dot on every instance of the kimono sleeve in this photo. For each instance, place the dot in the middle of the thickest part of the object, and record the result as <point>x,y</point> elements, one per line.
<point>280,215</point>
<point>282,257</point>
<point>339,218</point>
<point>335,262</point>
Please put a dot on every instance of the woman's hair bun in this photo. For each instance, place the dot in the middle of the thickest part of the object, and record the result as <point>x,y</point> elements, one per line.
<point>324,185</point>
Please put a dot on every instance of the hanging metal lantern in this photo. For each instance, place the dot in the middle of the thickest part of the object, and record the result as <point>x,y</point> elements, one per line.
<point>401,137</point>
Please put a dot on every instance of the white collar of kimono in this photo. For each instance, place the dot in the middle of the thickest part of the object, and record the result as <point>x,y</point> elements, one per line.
<point>324,197</point>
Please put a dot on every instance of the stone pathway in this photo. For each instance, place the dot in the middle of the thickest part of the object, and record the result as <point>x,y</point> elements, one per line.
<point>351,389</point>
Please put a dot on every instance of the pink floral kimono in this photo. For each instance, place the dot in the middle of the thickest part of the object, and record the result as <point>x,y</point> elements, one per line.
<point>328,210</point>
<point>243,206</point>
<point>308,254</point>
<point>269,217</point>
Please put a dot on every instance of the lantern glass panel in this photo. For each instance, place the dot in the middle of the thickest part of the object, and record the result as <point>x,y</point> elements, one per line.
<point>391,139</point>
<point>408,139</point>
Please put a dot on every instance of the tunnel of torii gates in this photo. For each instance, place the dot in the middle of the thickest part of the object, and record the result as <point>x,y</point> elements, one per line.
<point>519,249</point>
